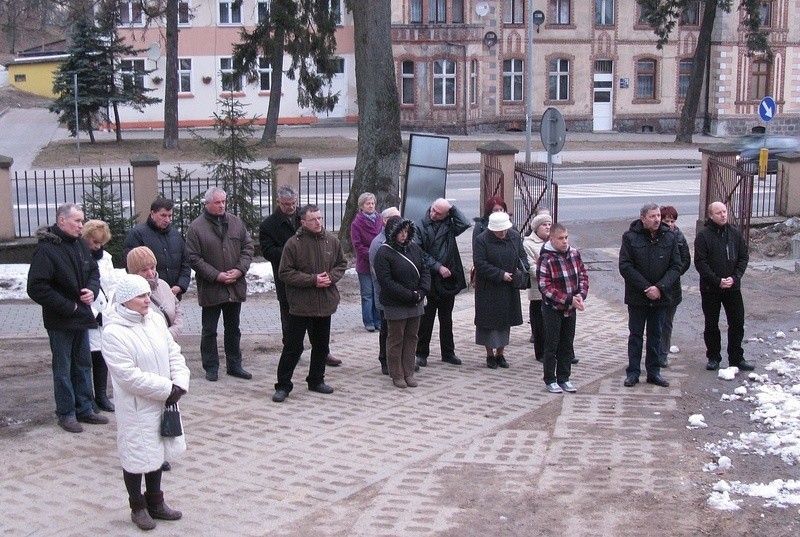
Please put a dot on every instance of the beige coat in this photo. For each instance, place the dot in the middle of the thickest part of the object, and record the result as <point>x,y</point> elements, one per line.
<point>533,245</point>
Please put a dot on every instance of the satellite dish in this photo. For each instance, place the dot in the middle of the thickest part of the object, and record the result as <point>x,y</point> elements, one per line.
<point>154,52</point>
<point>482,8</point>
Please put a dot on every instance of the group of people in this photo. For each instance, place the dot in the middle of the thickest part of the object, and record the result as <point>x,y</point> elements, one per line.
<point>103,324</point>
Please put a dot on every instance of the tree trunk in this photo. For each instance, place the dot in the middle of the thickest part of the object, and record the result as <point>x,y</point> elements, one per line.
<point>171,78</point>
<point>117,125</point>
<point>270,135</point>
<point>689,113</point>
<point>379,141</point>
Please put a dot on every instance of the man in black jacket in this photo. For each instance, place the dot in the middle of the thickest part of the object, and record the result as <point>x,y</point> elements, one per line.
<point>650,263</point>
<point>157,233</point>
<point>720,256</point>
<point>64,279</point>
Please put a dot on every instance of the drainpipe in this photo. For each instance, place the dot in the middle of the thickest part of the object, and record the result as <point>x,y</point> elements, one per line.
<point>707,114</point>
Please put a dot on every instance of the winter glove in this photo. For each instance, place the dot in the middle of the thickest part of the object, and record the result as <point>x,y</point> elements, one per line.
<point>175,395</point>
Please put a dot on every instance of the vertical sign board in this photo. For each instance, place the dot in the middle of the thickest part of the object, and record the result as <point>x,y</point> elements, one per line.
<point>426,174</point>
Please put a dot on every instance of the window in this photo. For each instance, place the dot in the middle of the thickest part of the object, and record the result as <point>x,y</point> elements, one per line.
<point>759,80</point>
<point>130,13</point>
<point>184,75</point>
<point>684,76</point>
<point>336,9</point>
<point>457,11</point>
<point>131,74</point>
<point>416,11</point>
<point>230,12</point>
<point>473,82</point>
<point>20,78</point>
<point>646,79</point>
<point>690,16</point>
<point>183,13</point>
<point>512,79</point>
<point>559,11</point>
<point>513,12</point>
<point>437,10</point>
<point>644,14</point>
<point>558,81</point>
<point>264,74</point>
<point>444,82</point>
<point>765,12</point>
<point>229,81</point>
<point>407,84</point>
<point>262,10</point>
<point>604,12</point>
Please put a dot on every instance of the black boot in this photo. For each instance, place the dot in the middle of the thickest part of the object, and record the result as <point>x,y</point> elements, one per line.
<point>100,380</point>
<point>384,366</point>
<point>158,509</point>
<point>139,514</point>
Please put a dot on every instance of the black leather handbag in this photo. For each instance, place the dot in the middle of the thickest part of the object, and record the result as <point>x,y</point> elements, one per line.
<point>171,421</point>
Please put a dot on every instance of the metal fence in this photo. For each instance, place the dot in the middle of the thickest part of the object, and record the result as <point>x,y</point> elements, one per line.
<point>530,189</point>
<point>38,193</point>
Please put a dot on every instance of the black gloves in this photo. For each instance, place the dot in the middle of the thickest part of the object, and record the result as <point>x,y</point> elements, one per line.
<point>175,395</point>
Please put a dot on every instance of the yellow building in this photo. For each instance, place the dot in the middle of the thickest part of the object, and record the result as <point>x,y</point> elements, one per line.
<point>35,75</point>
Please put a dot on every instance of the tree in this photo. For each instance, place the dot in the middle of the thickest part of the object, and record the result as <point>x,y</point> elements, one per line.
<point>304,30</point>
<point>233,151</point>
<point>100,202</point>
<point>665,14</point>
<point>171,78</point>
<point>379,142</point>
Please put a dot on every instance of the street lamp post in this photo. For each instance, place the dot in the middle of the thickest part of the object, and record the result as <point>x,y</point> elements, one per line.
<point>536,19</point>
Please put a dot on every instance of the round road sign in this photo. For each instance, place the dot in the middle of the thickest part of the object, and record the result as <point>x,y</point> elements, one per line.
<point>538,17</point>
<point>553,131</point>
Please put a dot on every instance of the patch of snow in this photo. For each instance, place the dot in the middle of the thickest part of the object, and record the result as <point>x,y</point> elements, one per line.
<point>697,421</point>
<point>674,349</point>
<point>727,373</point>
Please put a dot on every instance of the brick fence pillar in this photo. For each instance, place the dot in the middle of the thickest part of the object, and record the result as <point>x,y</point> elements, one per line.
<point>145,184</point>
<point>6,199</point>
<point>285,171</point>
<point>787,192</point>
<point>505,155</point>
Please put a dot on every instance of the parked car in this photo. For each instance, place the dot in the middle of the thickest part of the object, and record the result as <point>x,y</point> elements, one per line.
<point>750,145</point>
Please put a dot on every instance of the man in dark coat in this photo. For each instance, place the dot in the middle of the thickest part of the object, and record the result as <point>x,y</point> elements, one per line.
<point>436,234</point>
<point>720,256</point>
<point>157,233</point>
<point>220,249</point>
<point>650,262</point>
<point>65,280</point>
<point>273,233</point>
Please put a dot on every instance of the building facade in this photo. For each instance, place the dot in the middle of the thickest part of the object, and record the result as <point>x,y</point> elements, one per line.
<point>463,66</point>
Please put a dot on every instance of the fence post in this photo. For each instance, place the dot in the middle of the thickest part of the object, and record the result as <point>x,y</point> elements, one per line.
<point>506,156</point>
<point>285,171</point>
<point>6,199</point>
<point>145,184</point>
<point>787,192</point>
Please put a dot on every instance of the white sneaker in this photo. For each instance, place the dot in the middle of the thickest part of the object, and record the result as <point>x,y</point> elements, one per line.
<point>568,387</point>
<point>554,388</point>
<point>674,349</point>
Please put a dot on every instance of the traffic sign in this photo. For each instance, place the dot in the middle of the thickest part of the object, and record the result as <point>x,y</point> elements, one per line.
<point>767,109</point>
<point>537,17</point>
<point>553,131</point>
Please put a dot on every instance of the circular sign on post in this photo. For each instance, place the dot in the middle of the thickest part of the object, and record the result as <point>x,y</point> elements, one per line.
<point>767,108</point>
<point>538,17</point>
<point>553,131</point>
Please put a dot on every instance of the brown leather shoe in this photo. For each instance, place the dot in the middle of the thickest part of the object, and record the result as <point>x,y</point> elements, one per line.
<point>330,360</point>
<point>93,418</point>
<point>70,424</point>
<point>412,382</point>
<point>400,383</point>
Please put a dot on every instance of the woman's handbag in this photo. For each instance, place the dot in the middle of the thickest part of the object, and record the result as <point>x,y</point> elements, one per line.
<point>521,279</point>
<point>171,421</point>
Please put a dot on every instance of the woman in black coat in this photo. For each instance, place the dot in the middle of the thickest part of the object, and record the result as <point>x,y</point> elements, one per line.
<point>496,254</point>
<point>404,282</point>
<point>668,216</point>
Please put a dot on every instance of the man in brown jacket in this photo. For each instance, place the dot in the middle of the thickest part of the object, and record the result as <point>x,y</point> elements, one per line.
<point>220,250</point>
<point>311,265</point>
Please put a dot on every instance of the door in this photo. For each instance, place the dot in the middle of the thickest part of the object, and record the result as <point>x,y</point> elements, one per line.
<point>602,107</point>
<point>339,85</point>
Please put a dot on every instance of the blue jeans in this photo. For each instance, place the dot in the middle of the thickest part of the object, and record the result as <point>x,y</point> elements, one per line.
<point>72,372</point>
<point>209,318</point>
<point>369,302</point>
<point>639,317</point>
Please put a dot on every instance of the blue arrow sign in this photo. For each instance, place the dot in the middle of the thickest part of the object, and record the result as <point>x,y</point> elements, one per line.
<point>767,109</point>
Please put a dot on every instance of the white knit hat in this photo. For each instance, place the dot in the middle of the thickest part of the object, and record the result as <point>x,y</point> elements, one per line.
<point>130,286</point>
<point>539,220</point>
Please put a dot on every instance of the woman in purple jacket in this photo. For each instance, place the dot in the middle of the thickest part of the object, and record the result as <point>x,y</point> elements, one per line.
<point>366,225</point>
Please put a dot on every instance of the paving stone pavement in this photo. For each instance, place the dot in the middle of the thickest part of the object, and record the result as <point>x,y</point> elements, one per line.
<point>254,467</point>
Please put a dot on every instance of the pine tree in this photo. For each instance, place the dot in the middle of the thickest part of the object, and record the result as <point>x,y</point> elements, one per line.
<point>234,150</point>
<point>101,202</point>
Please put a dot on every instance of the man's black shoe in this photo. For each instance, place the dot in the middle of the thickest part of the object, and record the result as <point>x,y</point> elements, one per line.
<point>455,360</point>
<point>239,373</point>
<point>663,363</point>
<point>658,380</point>
<point>416,368</point>
<point>712,365</point>
<point>212,376</point>
<point>744,365</point>
<point>321,388</point>
<point>279,396</point>
<point>631,380</point>
<point>384,367</point>
<point>421,361</point>
<point>576,360</point>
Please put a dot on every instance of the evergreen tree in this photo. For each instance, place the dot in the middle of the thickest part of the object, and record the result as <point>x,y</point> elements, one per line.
<point>233,151</point>
<point>304,30</point>
<point>100,202</point>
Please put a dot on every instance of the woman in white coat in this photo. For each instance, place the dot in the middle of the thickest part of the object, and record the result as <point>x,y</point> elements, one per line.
<point>147,370</point>
<point>96,234</point>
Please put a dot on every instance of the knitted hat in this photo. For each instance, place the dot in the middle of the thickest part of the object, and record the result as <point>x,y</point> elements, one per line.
<point>139,259</point>
<point>130,286</point>
<point>499,222</point>
<point>541,219</point>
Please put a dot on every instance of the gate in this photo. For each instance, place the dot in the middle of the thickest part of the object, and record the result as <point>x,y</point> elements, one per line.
<point>530,189</point>
<point>492,178</point>
<point>732,185</point>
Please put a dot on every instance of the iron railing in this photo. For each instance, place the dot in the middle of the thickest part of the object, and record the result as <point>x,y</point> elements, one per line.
<point>530,189</point>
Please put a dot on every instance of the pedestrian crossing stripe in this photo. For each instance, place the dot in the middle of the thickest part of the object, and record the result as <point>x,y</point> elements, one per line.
<point>678,187</point>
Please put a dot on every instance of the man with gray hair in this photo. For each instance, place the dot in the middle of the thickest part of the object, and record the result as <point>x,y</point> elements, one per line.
<point>650,263</point>
<point>220,250</point>
<point>64,279</point>
<point>379,239</point>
